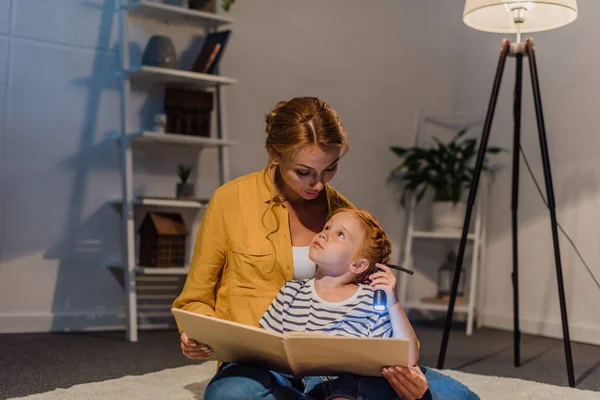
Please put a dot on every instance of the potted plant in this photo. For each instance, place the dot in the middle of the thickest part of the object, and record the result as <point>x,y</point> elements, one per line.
<point>446,170</point>
<point>227,4</point>
<point>184,189</point>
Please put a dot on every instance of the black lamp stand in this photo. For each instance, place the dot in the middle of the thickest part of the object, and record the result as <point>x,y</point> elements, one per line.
<point>518,50</point>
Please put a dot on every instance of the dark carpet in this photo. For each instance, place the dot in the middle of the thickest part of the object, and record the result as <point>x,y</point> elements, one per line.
<point>36,363</point>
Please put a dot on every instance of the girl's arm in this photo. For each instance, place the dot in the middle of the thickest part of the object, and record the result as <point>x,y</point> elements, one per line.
<point>401,326</point>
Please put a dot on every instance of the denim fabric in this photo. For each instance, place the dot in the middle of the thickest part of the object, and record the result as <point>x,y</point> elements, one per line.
<point>248,382</point>
<point>348,386</point>
<point>374,388</point>
<point>443,387</point>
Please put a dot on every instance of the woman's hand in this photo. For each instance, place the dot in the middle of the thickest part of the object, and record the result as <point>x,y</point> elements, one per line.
<point>386,281</point>
<point>194,350</point>
<point>409,383</point>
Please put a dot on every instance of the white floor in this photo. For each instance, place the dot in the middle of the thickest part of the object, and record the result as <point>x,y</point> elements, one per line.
<point>188,383</point>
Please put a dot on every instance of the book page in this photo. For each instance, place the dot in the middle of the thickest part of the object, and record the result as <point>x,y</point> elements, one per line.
<point>234,342</point>
<point>320,354</point>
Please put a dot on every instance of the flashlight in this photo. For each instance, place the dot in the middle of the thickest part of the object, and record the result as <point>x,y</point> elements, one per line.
<point>379,297</point>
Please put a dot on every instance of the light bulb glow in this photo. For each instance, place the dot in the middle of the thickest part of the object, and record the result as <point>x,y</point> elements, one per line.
<point>519,10</point>
<point>513,5</point>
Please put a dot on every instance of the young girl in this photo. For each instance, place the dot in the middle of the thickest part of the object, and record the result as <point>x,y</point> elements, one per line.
<point>347,252</point>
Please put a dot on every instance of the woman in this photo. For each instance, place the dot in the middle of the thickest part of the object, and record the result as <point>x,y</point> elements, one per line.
<point>255,236</point>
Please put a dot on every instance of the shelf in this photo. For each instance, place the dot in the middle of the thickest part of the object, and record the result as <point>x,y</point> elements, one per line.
<point>441,235</point>
<point>157,271</point>
<point>155,314</point>
<point>178,77</point>
<point>162,271</point>
<point>139,282</point>
<point>454,121</point>
<point>163,202</point>
<point>174,14</point>
<point>179,139</point>
<point>420,305</point>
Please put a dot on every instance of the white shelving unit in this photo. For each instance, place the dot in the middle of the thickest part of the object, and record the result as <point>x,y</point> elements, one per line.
<point>175,77</point>
<point>128,205</point>
<point>158,271</point>
<point>160,202</point>
<point>475,239</point>
<point>162,138</point>
<point>174,14</point>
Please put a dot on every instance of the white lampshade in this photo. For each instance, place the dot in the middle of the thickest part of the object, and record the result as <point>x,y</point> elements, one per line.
<point>542,15</point>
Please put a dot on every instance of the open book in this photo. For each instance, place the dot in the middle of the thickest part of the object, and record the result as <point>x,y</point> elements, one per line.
<point>298,353</point>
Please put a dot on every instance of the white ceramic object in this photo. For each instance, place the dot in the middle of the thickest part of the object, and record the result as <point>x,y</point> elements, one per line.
<point>447,216</point>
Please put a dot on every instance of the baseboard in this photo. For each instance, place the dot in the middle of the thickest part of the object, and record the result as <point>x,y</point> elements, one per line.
<point>104,321</point>
<point>579,333</point>
<point>78,322</point>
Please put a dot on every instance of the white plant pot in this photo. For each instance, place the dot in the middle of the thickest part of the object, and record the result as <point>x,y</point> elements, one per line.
<point>447,216</point>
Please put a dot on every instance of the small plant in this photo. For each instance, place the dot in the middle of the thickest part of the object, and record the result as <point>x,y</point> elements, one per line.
<point>184,173</point>
<point>227,4</point>
<point>446,169</point>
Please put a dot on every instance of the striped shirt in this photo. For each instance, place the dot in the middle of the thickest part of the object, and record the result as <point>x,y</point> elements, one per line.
<point>299,308</point>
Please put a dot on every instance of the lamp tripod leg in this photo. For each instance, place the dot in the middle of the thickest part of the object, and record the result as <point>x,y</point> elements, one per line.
<point>518,94</point>
<point>551,206</point>
<point>471,199</point>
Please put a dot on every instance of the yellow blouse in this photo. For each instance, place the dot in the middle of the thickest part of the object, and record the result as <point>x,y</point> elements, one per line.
<point>243,252</point>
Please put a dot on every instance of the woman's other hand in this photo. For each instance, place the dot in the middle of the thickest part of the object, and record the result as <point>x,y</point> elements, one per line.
<point>194,350</point>
<point>409,383</point>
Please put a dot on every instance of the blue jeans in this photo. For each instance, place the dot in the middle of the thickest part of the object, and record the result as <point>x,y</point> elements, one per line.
<point>349,386</point>
<point>248,382</point>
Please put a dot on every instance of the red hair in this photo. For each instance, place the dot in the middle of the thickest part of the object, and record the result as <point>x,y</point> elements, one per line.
<point>376,248</point>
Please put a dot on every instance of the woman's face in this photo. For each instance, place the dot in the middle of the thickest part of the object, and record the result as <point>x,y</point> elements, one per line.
<point>306,171</point>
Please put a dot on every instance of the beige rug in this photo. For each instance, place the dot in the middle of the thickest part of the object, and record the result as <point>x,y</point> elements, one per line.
<point>188,383</point>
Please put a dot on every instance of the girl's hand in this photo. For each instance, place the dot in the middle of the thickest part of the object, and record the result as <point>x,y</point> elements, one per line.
<point>194,350</point>
<point>385,280</point>
<point>409,383</point>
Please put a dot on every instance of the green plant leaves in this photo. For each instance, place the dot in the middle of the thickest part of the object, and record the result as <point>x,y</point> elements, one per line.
<point>184,172</point>
<point>446,168</point>
<point>227,4</point>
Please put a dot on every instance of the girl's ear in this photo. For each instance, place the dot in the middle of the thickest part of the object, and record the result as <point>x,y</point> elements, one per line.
<point>359,266</point>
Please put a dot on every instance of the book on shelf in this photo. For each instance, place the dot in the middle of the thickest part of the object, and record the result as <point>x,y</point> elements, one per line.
<point>212,49</point>
<point>298,353</point>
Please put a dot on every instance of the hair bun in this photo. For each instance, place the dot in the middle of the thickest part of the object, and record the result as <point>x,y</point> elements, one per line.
<point>270,116</point>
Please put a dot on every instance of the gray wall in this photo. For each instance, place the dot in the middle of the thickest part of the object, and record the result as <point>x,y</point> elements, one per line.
<point>570,87</point>
<point>60,164</point>
<point>375,65</point>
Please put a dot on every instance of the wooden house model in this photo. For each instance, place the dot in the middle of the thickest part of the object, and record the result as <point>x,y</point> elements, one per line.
<point>162,240</point>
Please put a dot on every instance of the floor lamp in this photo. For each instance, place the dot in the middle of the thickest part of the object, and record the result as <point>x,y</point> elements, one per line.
<point>510,16</point>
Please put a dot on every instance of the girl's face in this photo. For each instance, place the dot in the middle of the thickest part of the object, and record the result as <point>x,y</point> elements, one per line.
<point>306,171</point>
<point>337,246</point>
